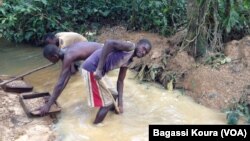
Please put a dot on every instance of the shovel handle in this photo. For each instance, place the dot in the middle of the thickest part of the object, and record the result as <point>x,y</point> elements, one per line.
<point>115,104</point>
<point>27,73</point>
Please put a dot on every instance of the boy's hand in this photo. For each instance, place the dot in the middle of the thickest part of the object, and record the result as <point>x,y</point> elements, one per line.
<point>43,110</point>
<point>98,75</point>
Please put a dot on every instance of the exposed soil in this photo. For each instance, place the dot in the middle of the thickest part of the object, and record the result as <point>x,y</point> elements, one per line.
<point>15,124</point>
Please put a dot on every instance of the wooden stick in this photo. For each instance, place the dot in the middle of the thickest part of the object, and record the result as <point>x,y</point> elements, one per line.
<point>22,75</point>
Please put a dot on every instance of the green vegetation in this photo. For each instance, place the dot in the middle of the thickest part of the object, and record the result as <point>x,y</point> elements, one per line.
<point>217,59</point>
<point>209,22</point>
<point>29,20</point>
<point>237,109</point>
<point>213,22</point>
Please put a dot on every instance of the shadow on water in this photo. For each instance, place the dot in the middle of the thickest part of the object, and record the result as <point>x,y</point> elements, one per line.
<point>144,103</point>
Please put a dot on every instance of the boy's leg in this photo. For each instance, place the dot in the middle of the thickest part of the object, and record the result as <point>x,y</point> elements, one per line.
<point>101,114</point>
<point>103,111</point>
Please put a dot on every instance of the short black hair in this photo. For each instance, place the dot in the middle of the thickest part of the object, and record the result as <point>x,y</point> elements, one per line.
<point>46,37</point>
<point>145,41</point>
<point>50,50</point>
<point>49,36</point>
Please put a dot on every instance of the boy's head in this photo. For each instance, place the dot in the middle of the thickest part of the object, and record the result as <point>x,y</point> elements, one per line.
<point>143,47</point>
<point>50,38</point>
<point>51,52</point>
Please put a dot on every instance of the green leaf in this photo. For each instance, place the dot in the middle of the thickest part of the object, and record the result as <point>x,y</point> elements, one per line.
<point>28,35</point>
<point>246,4</point>
<point>3,21</point>
<point>45,2</point>
<point>223,61</point>
<point>232,118</point>
<point>3,11</point>
<point>152,75</point>
<point>170,86</point>
<point>232,20</point>
<point>105,13</point>
<point>228,60</point>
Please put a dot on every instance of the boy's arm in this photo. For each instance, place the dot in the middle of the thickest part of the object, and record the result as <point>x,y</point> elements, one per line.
<point>109,46</point>
<point>120,85</point>
<point>61,83</point>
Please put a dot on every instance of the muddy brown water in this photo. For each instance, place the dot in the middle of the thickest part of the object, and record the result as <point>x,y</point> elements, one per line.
<point>144,103</point>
